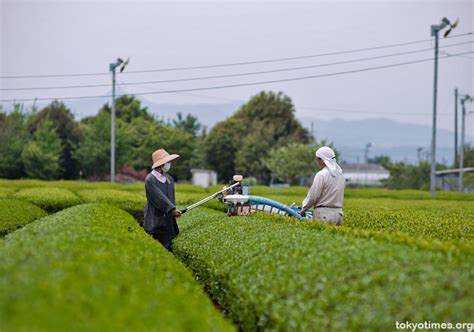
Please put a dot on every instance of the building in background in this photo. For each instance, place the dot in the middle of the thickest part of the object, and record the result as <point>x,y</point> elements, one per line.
<point>365,174</point>
<point>204,177</point>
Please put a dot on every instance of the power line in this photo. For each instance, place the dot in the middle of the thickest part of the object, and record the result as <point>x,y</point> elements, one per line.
<point>462,56</point>
<point>322,109</point>
<point>366,112</point>
<point>237,74</point>
<point>237,63</point>
<point>245,84</point>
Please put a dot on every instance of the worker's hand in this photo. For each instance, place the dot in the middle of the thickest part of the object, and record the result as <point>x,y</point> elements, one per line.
<point>176,213</point>
<point>303,212</point>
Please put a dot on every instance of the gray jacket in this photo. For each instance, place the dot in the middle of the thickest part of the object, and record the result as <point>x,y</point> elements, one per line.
<point>160,202</point>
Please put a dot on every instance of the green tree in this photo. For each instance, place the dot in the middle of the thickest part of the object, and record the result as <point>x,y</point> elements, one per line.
<point>189,124</point>
<point>42,155</point>
<point>382,159</point>
<point>93,153</point>
<point>221,146</point>
<point>147,136</point>
<point>291,162</point>
<point>468,155</point>
<point>403,176</point>
<point>294,161</point>
<point>63,121</point>
<point>127,108</point>
<point>241,142</point>
<point>13,137</point>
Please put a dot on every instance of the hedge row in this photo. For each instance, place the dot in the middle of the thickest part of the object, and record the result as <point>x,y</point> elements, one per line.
<point>91,267</point>
<point>436,220</point>
<point>127,201</point>
<point>15,213</point>
<point>444,221</point>
<point>49,199</point>
<point>280,276</point>
<point>6,192</point>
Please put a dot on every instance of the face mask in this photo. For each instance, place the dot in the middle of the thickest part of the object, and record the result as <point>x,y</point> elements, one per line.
<point>166,167</point>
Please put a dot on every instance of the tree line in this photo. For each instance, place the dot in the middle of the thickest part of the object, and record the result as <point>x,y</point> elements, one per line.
<point>262,140</point>
<point>51,144</point>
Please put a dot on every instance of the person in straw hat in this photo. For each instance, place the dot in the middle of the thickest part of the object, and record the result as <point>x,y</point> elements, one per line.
<point>160,210</point>
<point>326,194</point>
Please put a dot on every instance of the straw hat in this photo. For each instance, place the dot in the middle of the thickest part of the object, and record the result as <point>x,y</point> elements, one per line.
<point>161,157</point>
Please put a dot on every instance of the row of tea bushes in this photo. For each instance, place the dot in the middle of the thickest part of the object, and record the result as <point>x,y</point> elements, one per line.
<point>438,220</point>
<point>15,213</point>
<point>49,199</point>
<point>91,267</point>
<point>281,275</point>
<point>128,201</point>
<point>451,221</point>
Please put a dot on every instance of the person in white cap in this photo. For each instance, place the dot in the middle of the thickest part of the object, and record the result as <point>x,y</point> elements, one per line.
<point>326,194</point>
<point>160,210</point>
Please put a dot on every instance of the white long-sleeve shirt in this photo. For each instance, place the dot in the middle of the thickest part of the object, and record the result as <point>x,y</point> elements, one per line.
<point>326,190</point>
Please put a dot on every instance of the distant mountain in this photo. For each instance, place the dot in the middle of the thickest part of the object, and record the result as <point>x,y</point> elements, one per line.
<point>398,140</point>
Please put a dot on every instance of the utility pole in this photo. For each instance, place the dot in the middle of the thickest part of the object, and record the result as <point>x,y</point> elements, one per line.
<point>455,127</point>
<point>112,67</point>
<point>418,152</point>
<point>366,152</point>
<point>435,29</point>
<point>463,126</point>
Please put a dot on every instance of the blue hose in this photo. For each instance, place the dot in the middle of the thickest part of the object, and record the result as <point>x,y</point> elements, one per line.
<point>276,207</point>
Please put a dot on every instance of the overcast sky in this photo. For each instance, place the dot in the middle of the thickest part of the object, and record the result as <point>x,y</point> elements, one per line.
<point>63,37</point>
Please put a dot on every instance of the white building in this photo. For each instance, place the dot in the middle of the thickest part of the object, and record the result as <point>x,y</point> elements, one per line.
<point>365,174</point>
<point>204,177</point>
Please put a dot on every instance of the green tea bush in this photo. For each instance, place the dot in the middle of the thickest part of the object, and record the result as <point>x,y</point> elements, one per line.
<point>92,268</point>
<point>407,194</point>
<point>15,213</point>
<point>189,188</point>
<point>49,199</point>
<point>72,185</point>
<point>440,220</point>
<point>280,275</point>
<point>6,192</point>
<point>130,202</point>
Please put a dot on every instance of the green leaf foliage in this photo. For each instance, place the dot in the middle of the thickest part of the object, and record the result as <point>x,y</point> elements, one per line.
<point>93,154</point>
<point>42,156</point>
<point>48,198</point>
<point>15,213</point>
<point>244,140</point>
<point>13,136</point>
<point>291,161</point>
<point>68,130</point>
<point>92,268</point>
<point>146,137</point>
<point>128,201</point>
<point>281,276</point>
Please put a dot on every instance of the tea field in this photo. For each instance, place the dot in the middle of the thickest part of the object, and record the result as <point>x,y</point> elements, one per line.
<point>73,257</point>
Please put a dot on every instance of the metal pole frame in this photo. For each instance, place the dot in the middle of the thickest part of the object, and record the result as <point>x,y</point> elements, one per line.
<point>435,32</point>
<point>463,133</point>
<point>455,127</point>
<point>112,130</point>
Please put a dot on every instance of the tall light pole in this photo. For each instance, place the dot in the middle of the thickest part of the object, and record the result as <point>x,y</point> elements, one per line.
<point>463,126</point>
<point>435,29</point>
<point>455,127</point>
<point>366,152</point>
<point>112,67</point>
